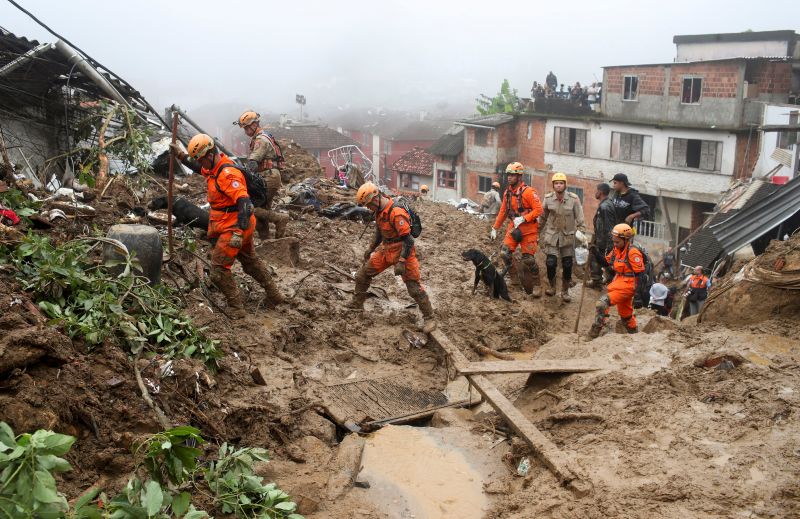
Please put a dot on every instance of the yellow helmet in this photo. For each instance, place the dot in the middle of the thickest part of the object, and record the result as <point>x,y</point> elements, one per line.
<point>247,118</point>
<point>366,193</point>
<point>515,168</point>
<point>623,230</point>
<point>559,177</point>
<point>423,188</point>
<point>199,145</point>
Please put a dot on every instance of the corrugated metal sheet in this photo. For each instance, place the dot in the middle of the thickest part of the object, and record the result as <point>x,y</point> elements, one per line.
<point>450,144</point>
<point>758,218</point>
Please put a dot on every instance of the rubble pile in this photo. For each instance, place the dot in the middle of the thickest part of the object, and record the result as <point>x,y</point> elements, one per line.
<point>299,163</point>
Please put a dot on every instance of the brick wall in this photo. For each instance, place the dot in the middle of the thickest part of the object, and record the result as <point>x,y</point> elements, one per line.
<point>651,79</point>
<point>745,160</point>
<point>531,151</point>
<point>771,77</point>
<point>719,79</point>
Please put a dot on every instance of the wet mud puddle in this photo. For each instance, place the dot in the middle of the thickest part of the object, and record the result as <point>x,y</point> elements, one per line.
<point>423,473</point>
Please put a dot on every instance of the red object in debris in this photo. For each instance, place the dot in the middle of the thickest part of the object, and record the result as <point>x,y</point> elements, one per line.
<point>8,214</point>
<point>780,180</point>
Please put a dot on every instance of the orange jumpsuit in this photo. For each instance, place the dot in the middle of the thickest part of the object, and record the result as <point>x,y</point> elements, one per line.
<point>393,223</point>
<point>226,185</point>
<point>623,287</point>
<point>531,209</point>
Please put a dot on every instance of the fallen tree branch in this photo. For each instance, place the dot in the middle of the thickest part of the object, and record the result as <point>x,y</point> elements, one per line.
<point>340,271</point>
<point>160,416</point>
<point>566,417</point>
<point>485,350</point>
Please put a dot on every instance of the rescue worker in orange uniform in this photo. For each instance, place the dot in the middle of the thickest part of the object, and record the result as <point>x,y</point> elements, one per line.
<point>522,206</point>
<point>627,262</point>
<point>392,245</point>
<point>231,222</point>
<point>263,159</point>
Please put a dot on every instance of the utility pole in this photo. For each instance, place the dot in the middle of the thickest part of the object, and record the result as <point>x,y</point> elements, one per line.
<point>301,100</point>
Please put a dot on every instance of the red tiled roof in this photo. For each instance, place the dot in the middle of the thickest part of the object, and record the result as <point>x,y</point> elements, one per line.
<point>416,161</point>
<point>313,137</point>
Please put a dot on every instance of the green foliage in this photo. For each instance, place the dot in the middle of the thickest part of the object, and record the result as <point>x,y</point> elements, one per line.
<point>237,490</point>
<point>146,500</point>
<point>27,486</point>
<point>17,201</point>
<point>506,101</point>
<point>168,458</point>
<point>91,302</point>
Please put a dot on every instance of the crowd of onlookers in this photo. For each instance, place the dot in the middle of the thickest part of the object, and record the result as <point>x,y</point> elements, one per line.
<point>583,95</point>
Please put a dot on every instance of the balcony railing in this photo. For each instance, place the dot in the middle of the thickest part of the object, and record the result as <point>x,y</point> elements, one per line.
<point>648,229</point>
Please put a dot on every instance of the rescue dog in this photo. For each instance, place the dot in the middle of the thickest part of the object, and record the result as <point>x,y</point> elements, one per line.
<point>185,212</point>
<point>484,269</point>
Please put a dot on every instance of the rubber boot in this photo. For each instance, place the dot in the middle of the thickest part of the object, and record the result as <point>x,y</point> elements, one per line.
<point>565,291</point>
<point>281,221</point>
<point>227,285</point>
<point>429,322</point>
<point>258,271</point>
<point>594,331</point>
<point>551,287</point>
<point>625,321</point>
<point>537,286</point>
<point>360,293</point>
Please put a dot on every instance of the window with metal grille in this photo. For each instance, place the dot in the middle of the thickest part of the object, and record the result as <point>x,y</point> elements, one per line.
<point>447,179</point>
<point>788,139</point>
<point>481,137</point>
<point>631,147</point>
<point>409,181</point>
<point>695,153</point>
<point>570,140</point>
<point>484,184</point>
<point>692,88</point>
<point>577,190</point>
<point>631,91</point>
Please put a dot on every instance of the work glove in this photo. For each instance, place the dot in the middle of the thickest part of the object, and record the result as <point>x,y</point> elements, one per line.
<point>519,220</point>
<point>236,241</point>
<point>399,268</point>
<point>245,208</point>
<point>493,233</point>
<point>581,237</point>
<point>177,151</point>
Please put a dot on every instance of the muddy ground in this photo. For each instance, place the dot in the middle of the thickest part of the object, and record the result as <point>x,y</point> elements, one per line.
<point>663,436</point>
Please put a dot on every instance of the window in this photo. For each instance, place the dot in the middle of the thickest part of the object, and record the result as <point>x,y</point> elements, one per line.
<point>788,139</point>
<point>409,181</point>
<point>694,153</point>
<point>447,179</point>
<point>570,140</point>
<point>631,91</point>
<point>692,87</point>
<point>577,190</point>
<point>481,137</point>
<point>484,184</point>
<point>530,130</point>
<point>631,147</point>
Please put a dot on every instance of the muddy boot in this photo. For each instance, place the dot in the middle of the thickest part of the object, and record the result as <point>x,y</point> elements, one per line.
<point>537,286</point>
<point>226,283</point>
<point>626,323</point>
<point>416,291</point>
<point>281,221</point>
<point>258,271</point>
<point>551,287</point>
<point>594,331</point>
<point>262,222</point>
<point>360,293</point>
<point>565,292</point>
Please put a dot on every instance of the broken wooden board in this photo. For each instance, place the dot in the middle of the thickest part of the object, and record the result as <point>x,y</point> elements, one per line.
<point>545,450</point>
<point>530,366</point>
<point>373,403</point>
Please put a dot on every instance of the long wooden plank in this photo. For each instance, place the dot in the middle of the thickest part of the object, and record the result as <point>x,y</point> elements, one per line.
<point>546,451</point>
<point>529,366</point>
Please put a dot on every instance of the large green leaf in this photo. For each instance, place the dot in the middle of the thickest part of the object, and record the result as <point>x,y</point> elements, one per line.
<point>6,437</point>
<point>286,506</point>
<point>44,487</point>
<point>180,503</point>
<point>152,498</point>
<point>58,444</point>
<point>52,463</point>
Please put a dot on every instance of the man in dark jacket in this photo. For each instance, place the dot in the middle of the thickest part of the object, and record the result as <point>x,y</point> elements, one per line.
<point>604,220</point>
<point>627,202</point>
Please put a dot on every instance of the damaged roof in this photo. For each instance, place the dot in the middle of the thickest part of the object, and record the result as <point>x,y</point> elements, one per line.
<point>451,144</point>
<point>758,216</point>
<point>313,137</point>
<point>416,161</point>
<point>491,120</point>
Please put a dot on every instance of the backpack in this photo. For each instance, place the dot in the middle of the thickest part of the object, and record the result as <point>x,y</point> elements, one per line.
<point>645,279</point>
<point>416,223</point>
<point>280,160</point>
<point>256,186</point>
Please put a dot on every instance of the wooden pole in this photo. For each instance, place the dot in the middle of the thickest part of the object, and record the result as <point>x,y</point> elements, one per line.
<point>171,182</point>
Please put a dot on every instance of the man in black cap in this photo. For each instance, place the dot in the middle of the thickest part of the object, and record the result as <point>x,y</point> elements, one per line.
<point>627,202</point>
<point>604,220</point>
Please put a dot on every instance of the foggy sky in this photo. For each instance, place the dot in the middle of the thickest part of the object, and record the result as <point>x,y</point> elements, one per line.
<point>397,55</point>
